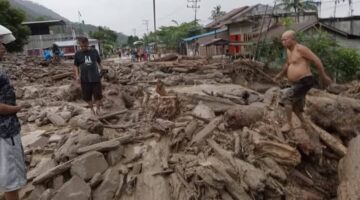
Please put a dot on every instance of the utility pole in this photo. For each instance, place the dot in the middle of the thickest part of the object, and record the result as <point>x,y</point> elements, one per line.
<point>336,4</point>
<point>154,6</point>
<point>318,5</point>
<point>351,10</point>
<point>146,23</point>
<point>194,5</point>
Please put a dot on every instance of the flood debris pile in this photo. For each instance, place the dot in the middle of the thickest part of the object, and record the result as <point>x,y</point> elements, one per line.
<point>179,129</point>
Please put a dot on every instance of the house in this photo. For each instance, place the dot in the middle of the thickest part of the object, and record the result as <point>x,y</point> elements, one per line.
<point>344,39</point>
<point>41,36</point>
<point>203,44</point>
<point>239,27</point>
<point>254,21</point>
<point>70,47</point>
<point>350,25</point>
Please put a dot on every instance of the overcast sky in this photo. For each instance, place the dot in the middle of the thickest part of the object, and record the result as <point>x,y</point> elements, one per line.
<point>127,15</point>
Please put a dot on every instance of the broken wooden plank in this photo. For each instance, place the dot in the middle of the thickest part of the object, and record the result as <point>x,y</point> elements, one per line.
<point>52,173</point>
<point>207,130</point>
<point>101,147</point>
<point>237,144</point>
<point>253,177</point>
<point>106,116</point>
<point>233,187</point>
<point>349,174</point>
<point>119,126</point>
<point>62,76</point>
<point>329,140</point>
<point>165,172</point>
<point>124,139</point>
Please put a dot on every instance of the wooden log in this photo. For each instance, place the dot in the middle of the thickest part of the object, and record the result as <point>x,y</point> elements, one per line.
<point>235,189</point>
<point>237,144</point>
<point>349,174</point>
<point>253,177</point>
<point>241,116</point>
<point>207,130</point>
<point>119,126</point>
<point>61,76</point>
<point>190,129</point>
<point>109,115</point>
<point>281,153</point>
<point>101,147</point>
<point>329,140</point>
<point>52,173</point>
<point>124,139</point>
<point>335,112</point>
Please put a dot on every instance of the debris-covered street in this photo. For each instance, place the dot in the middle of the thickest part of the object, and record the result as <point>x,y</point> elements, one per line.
<point>180,100</point>
<point>180,128</point>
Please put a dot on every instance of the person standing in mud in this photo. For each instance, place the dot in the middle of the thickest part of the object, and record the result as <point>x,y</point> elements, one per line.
<point>12,159</point>
<point>87,64</point>
<point>297,69</point>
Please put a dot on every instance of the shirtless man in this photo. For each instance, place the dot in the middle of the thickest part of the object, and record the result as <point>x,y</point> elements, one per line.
<point>297,68</point>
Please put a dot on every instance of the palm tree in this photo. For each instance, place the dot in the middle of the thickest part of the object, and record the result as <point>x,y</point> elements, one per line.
<point>298,6</point>
<point>216,13</point>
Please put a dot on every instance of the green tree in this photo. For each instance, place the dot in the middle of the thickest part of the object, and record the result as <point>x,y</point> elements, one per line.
<point>131,39</point>
<point>12,19</point>
<point>297,6</point>
<point>107,38</point>
<point>216,13</point>
<point>343,64</point>
<point>171,36</point>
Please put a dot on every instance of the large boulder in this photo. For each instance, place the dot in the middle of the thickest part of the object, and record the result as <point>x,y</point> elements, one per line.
<point>87,122</point>
<point>87,165</point>
<point>107,189</point>
<point>75,141</point>
<point>75,189</point>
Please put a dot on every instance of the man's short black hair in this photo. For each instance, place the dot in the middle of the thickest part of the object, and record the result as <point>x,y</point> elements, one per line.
<point>83,40</point>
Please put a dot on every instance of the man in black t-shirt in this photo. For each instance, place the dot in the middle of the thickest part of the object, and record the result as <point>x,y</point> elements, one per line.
<point>87,63</point>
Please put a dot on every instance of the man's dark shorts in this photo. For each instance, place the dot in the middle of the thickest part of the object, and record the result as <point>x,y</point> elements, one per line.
<point>295,95</point>
<point>90,90</point>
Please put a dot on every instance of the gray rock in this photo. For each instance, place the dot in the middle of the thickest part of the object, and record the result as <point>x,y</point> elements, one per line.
<point>96,180</point>
<point>204,111</point>
<point>56,119</point>
<point>47,195</point>
<point>87,165</point>
<point>73,143</point>
<point>44,165</point>
<point>107,189</point>
<point>88,123</point>
<point>55,138</point>
<point>58,182</point>
<point>115,156</point>
<point>75,189</point>
<point>37,192</point>
<point>66,115</point>
<point>32,137</point>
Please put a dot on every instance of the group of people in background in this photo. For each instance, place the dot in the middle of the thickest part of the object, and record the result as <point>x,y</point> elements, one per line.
<point>135,54</point>
<point>53,54</point>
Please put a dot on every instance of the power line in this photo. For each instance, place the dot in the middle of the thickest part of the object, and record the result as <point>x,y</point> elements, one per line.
<point>194,5</point>
<point>146,23</point>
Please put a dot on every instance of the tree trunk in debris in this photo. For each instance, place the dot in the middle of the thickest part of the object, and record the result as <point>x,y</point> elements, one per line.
<point>349,173</point>
<point>336,113</point>
<point>240,116</point>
